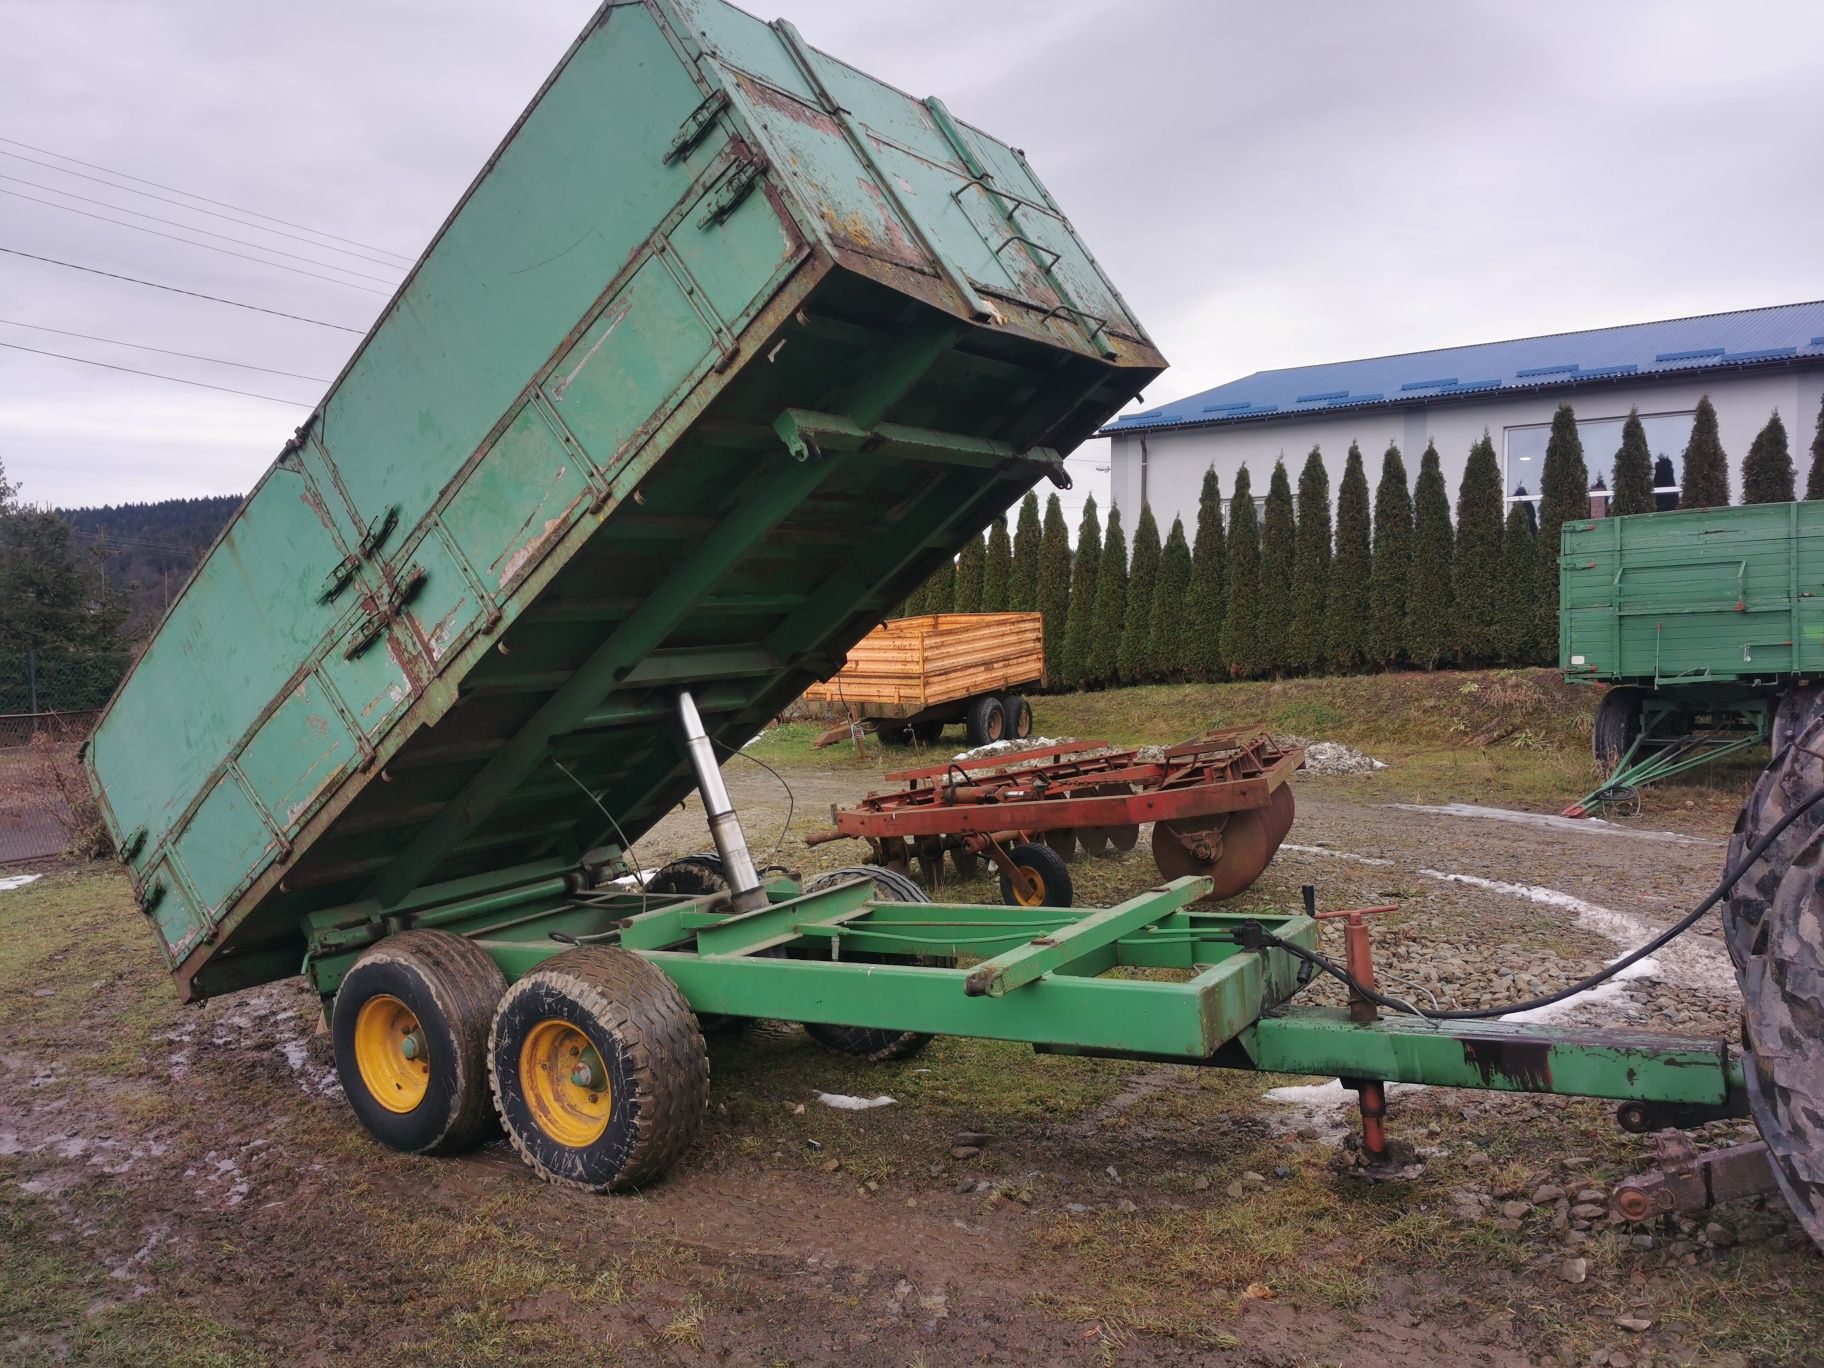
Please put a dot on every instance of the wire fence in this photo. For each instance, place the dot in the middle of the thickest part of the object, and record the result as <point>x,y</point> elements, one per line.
<point>59,681</point>
<point>49,700</point>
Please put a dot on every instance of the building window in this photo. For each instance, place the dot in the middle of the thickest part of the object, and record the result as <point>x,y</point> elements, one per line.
<point>1667,434</point>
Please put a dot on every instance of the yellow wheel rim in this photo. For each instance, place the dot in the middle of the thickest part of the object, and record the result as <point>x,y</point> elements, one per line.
<point>1029,894</point>
<point>565,1084</point>
<point>391,1054</point>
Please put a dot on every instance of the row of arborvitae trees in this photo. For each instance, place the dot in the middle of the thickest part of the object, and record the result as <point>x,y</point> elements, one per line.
<point>1283,588</point>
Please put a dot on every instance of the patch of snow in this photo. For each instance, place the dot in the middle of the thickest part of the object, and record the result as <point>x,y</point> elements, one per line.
<point>13,881</point>
<point>843,1102</point>
<point>1700,964</point>
<point>1336,854</point>
<point>1619,927</point>
<point>1588,826</point>
<point>1008,747</point>
<point>1608,988</point>
<point>1327,1108</point>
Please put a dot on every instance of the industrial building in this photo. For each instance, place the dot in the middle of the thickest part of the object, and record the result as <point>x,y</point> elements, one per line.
<point>1750,363</point>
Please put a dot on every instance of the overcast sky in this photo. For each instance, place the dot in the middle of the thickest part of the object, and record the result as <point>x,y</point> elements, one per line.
<point>1268,185</point>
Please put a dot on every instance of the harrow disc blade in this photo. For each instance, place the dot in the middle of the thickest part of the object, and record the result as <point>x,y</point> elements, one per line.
<point>1281,809</point>
<point>1240,850</point>
<point>1123,838</point>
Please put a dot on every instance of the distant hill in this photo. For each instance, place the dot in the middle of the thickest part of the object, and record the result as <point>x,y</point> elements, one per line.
<point>152,545</point>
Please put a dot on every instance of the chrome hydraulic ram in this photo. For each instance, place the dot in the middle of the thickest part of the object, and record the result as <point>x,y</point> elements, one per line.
<point>724,826</point>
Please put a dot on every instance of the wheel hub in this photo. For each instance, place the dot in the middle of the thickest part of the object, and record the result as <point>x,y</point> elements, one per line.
<point>565,1083</point>
<point>392,1055</point>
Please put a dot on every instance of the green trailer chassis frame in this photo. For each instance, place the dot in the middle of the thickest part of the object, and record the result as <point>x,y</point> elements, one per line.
<point>1671,742</point>
<point>1153,978</point>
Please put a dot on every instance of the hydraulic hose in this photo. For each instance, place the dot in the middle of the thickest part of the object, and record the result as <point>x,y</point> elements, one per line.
<point>1252,935</point>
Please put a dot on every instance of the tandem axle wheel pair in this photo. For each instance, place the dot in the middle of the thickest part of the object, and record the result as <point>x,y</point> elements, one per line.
<point>593,1064</point>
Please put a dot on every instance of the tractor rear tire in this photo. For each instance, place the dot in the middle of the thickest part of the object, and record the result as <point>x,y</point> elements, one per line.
<point>598,1069</point>
<point>410,1025</point>
<point>987,720</point>
<point>1792,714</point>
<point>1794,773</point>
<point>1617,725</point>
<point>867,1042</point>
<point>1783,1032</point>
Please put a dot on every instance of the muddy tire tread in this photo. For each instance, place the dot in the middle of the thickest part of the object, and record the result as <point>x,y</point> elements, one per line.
<point>466,987</point>
<point>1781,787</point>
<point>668,1061</point>
<point>1783,1031</point>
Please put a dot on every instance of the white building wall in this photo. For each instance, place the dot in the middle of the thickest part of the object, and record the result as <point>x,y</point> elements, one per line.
<point>1174,462</point>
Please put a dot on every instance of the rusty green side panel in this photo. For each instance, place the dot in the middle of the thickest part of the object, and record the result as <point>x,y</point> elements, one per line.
<point>548,490</point>
<point>1694,596</point>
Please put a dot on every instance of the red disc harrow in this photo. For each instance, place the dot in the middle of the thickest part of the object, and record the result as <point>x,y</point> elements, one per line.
<point>1219,803</point>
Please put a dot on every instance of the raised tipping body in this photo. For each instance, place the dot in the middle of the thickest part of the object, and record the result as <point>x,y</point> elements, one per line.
<point>726,348</point>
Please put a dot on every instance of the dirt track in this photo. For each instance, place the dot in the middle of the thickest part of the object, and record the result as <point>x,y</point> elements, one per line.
<point>189,1178</point>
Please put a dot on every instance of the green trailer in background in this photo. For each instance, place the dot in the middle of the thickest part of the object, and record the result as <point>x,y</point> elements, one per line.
<point>1707,626</point>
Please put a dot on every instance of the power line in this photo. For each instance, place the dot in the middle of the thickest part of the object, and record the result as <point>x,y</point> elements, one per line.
<point>206,246</point>
<point>239,209</point>
<point>163,351</point>
<point>178,289</point>
<point>154,375</point>
<point>190,228</point>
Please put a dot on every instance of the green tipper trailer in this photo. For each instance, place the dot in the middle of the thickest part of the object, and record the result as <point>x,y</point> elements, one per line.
<point>1706,624</point>
<point>725,350</point>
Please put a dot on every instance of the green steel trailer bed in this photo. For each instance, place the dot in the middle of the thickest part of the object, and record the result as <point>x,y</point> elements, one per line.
<point>728,346</point>
<point>1705,623</point>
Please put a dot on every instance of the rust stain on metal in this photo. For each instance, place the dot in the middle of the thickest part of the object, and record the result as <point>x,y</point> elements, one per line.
<point>767,97</point>
<point>1520,1065</point>
<point>314,502</point>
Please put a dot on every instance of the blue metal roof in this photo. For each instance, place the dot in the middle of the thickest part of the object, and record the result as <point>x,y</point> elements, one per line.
<point>1710,342</point>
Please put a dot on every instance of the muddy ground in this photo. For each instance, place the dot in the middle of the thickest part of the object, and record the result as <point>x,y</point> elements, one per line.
<point>186,1184</point>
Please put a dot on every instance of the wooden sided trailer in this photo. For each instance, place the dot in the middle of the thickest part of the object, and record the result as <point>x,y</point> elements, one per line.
<point>911,677</point>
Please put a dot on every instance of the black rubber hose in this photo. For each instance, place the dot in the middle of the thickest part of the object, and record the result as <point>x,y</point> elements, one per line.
<point>1258,934</point>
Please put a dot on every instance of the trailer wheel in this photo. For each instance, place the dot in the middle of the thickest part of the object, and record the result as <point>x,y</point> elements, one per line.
<point>410,1025</point>
<point>866,1042</point>
<point>1617,725</point>
<point>1043,863</point>
<point>599,1071</point>
<point>1018,713</point>
<point>987,720</point>
<point>1783,1030</point>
